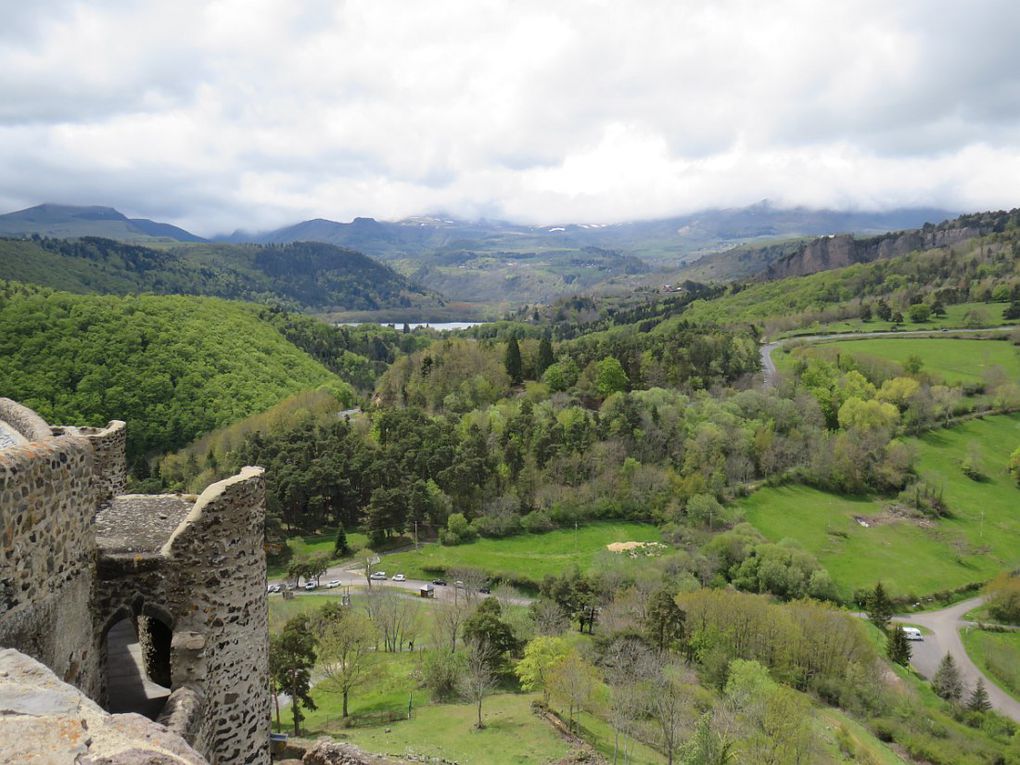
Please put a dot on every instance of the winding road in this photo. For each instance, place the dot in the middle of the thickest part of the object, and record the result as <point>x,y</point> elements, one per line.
<point>771,374</point>
<point>945,626</point>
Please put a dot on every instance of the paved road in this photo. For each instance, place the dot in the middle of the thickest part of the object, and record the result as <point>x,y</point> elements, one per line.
<point>945,626</point>
<point>768,366</point>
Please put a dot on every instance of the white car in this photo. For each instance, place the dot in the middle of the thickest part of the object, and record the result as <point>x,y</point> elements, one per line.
<point>273,588</point>
<point>332,583</point>
<point>310,585</point>
<point>378,575</point>
<point>399,578</point>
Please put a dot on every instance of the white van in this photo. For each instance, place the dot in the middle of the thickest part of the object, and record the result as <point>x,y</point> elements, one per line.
<point>912,633</point>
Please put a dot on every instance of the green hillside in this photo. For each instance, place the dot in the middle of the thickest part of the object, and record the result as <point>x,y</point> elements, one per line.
<point>912,555</point>
<point>172,367</point>
<point>302,275</point>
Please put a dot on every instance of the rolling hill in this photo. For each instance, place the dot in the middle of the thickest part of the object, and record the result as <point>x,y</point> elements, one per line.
<point>308,276</point>
<point>71,221</point>
<point>172,367</point>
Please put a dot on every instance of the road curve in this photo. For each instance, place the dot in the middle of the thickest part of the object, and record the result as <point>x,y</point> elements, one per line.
<point>771,374</point>
<point>945,626</point>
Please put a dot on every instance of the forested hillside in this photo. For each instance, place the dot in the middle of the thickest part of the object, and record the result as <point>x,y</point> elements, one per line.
<point>172,367</point>
<point>301,275</point>
<point>981,270</point>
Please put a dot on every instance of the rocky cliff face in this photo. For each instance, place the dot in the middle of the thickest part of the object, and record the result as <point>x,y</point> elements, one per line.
<point>843,250</point>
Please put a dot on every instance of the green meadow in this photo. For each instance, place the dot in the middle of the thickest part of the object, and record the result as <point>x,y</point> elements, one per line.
<point>911,558</point>
<point>952,360</point>
<point>998,654</point>
<point>525,558</point>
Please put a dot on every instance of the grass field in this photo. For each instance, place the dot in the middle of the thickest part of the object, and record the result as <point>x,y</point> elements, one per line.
<point>322,542</point>
<point>998,654</point>
<point>953,360</point>
<point>955,318</point>
<point>981,539</point>
<point>522,558</point>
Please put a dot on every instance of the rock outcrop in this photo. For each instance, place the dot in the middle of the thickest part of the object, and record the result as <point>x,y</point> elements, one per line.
<point>44,720</point>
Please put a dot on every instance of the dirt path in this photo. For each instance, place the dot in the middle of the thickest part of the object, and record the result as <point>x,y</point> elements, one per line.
<point>945,626</point>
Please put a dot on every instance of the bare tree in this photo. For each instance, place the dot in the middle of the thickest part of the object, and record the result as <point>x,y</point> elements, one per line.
<point>345,643</point>
<point>667,700</point>
<point>449,618</point>
<point>550,620</point>
<point>368,560</point>
<point>478,680</point>
<point>395,615</point>
<point>573,682</point>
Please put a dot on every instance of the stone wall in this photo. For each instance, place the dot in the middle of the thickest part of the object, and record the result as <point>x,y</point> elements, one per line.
<point>109,461</point>
<point>24,420</point>
<point>47,555</point>
<point>208,581</point>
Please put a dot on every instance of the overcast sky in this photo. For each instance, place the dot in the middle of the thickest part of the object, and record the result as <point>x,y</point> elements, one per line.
<point>257,113</point>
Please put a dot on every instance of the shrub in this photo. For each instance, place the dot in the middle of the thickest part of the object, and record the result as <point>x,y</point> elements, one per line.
<point>537,522</point>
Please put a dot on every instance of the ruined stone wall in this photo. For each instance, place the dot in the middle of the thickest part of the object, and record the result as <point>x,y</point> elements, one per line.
<point>208,584</point>
<point>219,556</point>
<point>47,554</point>
<point>24,420</point>
<point>109,446</point>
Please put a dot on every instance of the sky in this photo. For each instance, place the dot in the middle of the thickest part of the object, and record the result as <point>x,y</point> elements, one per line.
<point>225,114</point>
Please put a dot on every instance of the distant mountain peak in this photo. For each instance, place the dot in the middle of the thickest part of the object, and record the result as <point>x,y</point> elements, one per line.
<point>74,221</point>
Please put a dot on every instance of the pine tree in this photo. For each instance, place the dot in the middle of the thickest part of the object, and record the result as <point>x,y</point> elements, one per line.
<point>880,608</point>
<point>341,549</point>
<point>946,682</point>
<point>514,367</point>
<point>979,701</point>
<point>898,646</point>
<point>545,355</point>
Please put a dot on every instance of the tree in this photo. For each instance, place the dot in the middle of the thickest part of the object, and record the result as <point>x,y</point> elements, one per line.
<point>292,656</point>
<point>898,646</point>
<point>664,621</point>
<point>667,698</point>
<point>1014,465</point>
<point>514,366</point>
<point>979,701</point>
<point>485,627</point>
<point>545,356</point>
<point>866,312</point>
<point>541,655</point>
<point>1004,598</point>
<point>346,639</point>
<point>919,313</point>
<point>611,377</point>
<point>572,681</point>
<point>883,311</point>
<point>368,561</point>
<point>340,548</point>
<point>946,682</point>
<point>478,680</point>
<point>880,608</point>
<point>707,746</point>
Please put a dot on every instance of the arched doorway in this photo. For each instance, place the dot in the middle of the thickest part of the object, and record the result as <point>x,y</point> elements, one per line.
<point>137,671</point>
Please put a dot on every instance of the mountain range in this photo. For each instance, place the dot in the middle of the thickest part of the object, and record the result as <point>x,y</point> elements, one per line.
<point>68,221</point>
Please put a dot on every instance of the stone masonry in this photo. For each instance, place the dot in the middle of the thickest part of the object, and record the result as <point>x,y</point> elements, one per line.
<point>77,556</point>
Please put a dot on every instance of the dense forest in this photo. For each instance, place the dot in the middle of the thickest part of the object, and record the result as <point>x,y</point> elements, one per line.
<point>172,367</point>
<point>302,275</point>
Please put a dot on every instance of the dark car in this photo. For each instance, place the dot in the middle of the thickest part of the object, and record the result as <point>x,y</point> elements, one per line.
<point>485,590</point>
<point>440,582</point>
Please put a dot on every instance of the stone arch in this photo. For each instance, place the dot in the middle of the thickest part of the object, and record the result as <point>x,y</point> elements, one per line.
<point>136,644</point>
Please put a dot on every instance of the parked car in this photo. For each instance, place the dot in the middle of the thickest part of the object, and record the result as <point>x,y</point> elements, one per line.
<point>459,584</point>
<point>912,633</point>
<point>273,588</point>
<point>440,582</point>
<point>289,585</point>
<point>485,589</point>
<point>332,583</point>
<point>310,585</point>
<point>399,578</point>
<point>378,575</point>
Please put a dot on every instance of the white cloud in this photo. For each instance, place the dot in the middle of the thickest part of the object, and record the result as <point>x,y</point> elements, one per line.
<point>256,113</point>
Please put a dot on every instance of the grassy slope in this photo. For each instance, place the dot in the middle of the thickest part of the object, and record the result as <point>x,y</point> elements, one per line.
<point>951,359</point>
<point>998,653</point>
<point>982,538</point>
<point>524,557</point>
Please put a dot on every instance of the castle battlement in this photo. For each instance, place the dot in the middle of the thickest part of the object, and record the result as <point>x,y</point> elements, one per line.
<point>78,557</point>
